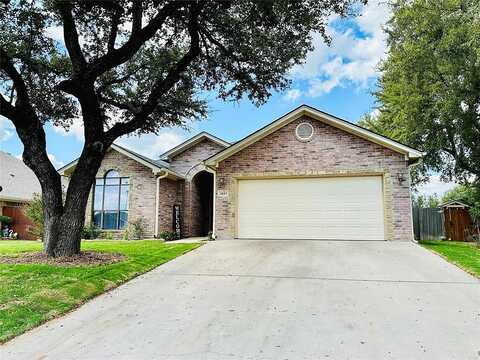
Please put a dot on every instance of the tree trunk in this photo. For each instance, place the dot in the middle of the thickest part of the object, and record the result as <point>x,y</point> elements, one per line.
<point>66,229</point>
<point>63,232</point>
<point>63,220</point>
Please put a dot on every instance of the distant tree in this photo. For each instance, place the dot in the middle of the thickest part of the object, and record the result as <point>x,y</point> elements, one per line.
<point>34,211</point>
<point>423,201</point>
<point>429,88</point>
<point>135,66</point>
<point>466,194</point>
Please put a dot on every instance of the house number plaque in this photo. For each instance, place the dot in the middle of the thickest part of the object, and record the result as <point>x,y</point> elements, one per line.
<point>222,194</point>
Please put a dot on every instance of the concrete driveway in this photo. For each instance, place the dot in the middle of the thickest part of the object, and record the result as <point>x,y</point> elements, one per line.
<point>276,300</point>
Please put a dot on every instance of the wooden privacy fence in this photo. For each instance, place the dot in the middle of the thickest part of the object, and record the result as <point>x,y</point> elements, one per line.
<point>428,223</point>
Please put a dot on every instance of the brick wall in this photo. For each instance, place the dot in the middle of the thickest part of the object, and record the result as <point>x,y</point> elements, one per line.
<point>142,190</point>
<point>185,161</point>
<point>188,164</point>
<point>168,195</point>
<point>330,151</point>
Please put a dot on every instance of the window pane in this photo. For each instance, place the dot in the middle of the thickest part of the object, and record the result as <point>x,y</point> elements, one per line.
<point>125,181</point>
<point>97,219</point>
<point>123,220</point>
<point>98,197</point>
<point>99,181</point>
<point>110,201</point>
<point>114,181</point>
<point>124,197</point>
<point>112,173</point>
<point>110,219</point>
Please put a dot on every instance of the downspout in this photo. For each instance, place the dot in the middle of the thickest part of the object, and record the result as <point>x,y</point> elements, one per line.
<point>157,200</point>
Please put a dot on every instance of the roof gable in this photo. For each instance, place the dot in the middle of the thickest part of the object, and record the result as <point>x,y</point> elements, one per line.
<point>155,165</point>
<point>18,182</point>
<point>454,203</point>
<point>191,143</point>
<point>411,154</point>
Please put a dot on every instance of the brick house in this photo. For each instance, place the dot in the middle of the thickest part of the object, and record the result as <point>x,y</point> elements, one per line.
<point>306,175</point>
<point>18,186</point>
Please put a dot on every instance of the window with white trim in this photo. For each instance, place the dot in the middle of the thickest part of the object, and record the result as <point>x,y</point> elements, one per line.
<point>110,201</point>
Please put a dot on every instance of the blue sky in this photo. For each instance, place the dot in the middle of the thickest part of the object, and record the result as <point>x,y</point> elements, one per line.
<point>338,79</point>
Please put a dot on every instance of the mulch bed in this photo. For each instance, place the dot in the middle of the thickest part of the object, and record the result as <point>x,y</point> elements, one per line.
<point>85,258</point>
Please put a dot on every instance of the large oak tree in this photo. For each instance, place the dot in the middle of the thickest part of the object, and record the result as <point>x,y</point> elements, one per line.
<point>429,88</point>
<point>134,67</point>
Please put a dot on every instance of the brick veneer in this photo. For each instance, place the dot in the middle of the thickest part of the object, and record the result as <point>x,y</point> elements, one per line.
<point>188,163</point>
<point>169,195</point>
<point>184,162</point>
<point>330,151</point>
<point>142,190</point>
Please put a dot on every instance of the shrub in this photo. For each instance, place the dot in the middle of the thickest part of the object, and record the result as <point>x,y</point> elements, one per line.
<point>138,228</point>
<point>5,220</point>
<point>108,235</point>
<point>126,235</point>
<point>168,235</point>
<point>476,238</point>
<point>34,211</point>
<point>90,232</point>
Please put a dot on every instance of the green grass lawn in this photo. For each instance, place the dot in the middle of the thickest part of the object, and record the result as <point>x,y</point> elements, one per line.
<point>32,294</point>
<point>464,255</point>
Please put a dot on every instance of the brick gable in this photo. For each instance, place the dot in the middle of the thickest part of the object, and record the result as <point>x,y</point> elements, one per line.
<point>331,151</point>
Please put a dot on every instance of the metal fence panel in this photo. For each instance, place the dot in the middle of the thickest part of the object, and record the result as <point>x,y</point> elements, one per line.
<point>428,223</point>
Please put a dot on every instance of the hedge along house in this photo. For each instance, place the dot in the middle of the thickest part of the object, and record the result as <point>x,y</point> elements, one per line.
<point>307,175</point>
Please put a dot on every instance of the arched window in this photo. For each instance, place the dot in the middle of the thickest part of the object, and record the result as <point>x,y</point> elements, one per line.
<point>112,174</point>
<point>110,201</point>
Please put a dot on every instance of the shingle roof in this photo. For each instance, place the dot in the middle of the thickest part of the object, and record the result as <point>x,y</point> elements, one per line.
<point>151,163</point>
<point>160,163</point>
<point>18,182</point>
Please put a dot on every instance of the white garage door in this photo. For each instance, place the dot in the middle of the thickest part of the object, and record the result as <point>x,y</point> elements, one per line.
<point>340,208</point>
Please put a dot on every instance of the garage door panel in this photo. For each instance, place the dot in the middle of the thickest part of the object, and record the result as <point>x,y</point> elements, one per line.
<point>343,208</point>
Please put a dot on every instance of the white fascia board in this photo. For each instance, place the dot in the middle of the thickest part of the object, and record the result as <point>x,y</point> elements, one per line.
<point>191,142</point>
<point>409,152</point>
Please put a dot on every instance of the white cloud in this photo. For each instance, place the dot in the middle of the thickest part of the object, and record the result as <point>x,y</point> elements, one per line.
<point>435,186</point>
<point>76,129</point>
<point>152,145</point>
<point>6,129</point>
<point>292,95</point>
<point>56,163</point>
<point>353,55</point>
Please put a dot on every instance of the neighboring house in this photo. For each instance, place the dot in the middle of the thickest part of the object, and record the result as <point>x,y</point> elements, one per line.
<point>307,175</point>
<point>19,184</point>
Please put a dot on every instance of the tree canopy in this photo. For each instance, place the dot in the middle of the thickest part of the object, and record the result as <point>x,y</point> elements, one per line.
<point>429,88</point>
<point>135,66</point>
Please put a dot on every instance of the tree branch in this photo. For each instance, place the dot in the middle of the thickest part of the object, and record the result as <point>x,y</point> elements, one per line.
<point>137,12</point>
<point>114,29</point>
<point>116,57</point>
<point>70,35</point>
<point>162,86</point>
<point>7,109</point>
<point>6,65</point>
<point>229,53</point>
<point>117,104</point>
